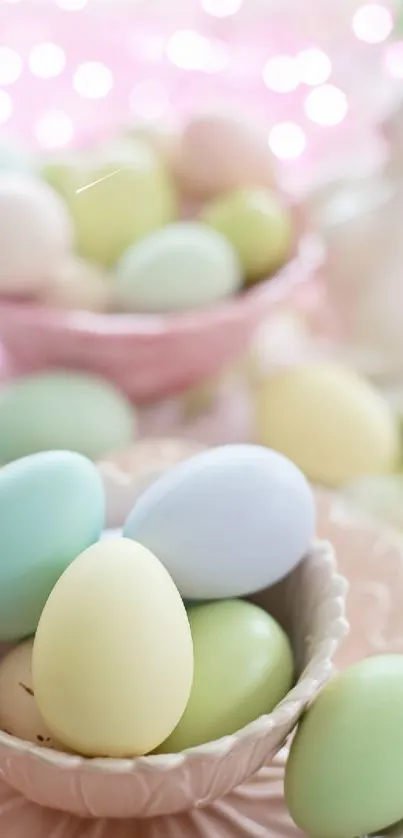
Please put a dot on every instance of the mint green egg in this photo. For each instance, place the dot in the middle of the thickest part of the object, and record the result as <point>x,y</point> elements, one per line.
<point>52,506</point>
<point>62,410</point>
<point>243,666</point>
<point>344,775</point>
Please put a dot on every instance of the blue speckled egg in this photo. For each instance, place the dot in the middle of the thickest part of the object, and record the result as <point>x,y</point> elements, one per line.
<point>52,507</point>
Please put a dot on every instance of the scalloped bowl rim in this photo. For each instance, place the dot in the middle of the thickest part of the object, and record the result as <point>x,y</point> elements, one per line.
<point>302,693</point>
<point>309,257</point>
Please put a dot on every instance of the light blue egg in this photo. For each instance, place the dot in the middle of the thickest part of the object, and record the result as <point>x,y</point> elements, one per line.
<point>52,506</point>
<point>227,522</point>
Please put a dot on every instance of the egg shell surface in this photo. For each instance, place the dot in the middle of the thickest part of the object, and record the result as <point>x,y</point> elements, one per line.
<point>243,666</point>
<point>258,225</point>
<point>220,152</point>
<point>19,714</point>
<point>36,233</point>
<point>220,521</point>
<point>77,284</point>
<point>113,653</point>
<point>115,196</point>
<point>74,411</point>
<point>331,422</point>
<point>344,773</point>
<point>52,506</point>
<point>184,266</point>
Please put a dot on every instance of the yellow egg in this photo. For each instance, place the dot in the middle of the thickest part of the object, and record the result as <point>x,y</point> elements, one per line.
<point>333,424</point>
<point>113,653</point>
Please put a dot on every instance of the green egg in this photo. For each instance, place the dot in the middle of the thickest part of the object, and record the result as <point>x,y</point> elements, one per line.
<point>257,224</point>
<point>243,666</point>
<point>116,196</point>
<point>62,410</point>
<point>344,775</point>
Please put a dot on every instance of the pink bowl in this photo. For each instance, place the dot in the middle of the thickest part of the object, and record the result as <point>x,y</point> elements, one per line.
<point>150,357</point>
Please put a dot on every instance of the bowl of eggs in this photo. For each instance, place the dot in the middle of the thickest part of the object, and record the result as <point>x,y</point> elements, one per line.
<point>150,259</point>
<point>153,669</point>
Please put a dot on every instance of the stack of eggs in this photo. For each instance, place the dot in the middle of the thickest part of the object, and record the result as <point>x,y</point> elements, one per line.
<point>104,229</point>
<point>141,642</point>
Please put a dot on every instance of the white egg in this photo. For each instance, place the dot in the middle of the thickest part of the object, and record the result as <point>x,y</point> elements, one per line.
<point>227,522</point>
<point>184,266</point>
<point>19,714</point>
<point>36,233</point>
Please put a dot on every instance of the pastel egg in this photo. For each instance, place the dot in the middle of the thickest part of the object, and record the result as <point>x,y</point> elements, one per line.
<point>125,474</point>
<point>36,233</point>
<point>258,225</point>
<point>333,424</point>
<point>76,284</point>
<point>115,197</point>
<point>185,266</point>
<point>219,152</point>
<point>63,410</point>
<point>19,714</point>
<point>113,653</point>
<point>243,667</point>
<point>220,521</point>
<point>345,769</point>
<point>52,507</point>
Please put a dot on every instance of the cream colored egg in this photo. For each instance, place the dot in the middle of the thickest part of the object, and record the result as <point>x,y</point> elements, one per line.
<point>19,714</point>
<point>113,653</point>
<point>77,284</point>
<point>333,424</point>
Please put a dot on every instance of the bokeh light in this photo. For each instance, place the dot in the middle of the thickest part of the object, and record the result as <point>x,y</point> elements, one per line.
<point>222,8</point>
<point>314,66</point>
<point>394,60</point>
<point>189,50</point>
<point>72,5</point>
<point>10,65</point>
<point>47,60</point>
<point>372,23</point>
<point>287,140</point>
<point>280,74</point>
<point>326,105</point>
<point>54,129</point>
<point>93,80</point>
<point>6,107</point>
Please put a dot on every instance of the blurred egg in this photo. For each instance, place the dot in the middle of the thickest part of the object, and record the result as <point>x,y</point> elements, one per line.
<point>52,507</point>
<point>218,153</point>
<point>113,653</point>
<point>36,233</point>
<point>258,225</point>
<point>125,474</point>
<point>344,772</point>
<point>76,284</point>
<point>115,196</point>
<point>220,521</point>
<point>19,714</point>
<point>185,266</point>
<point>14,158</point>
<point>243,667</point>
<point>333,424</point>
<point>163,139</point>
<point>63,410</point>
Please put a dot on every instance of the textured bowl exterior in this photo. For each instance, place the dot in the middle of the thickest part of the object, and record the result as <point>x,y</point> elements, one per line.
<point>311,605</point>
<point>151,357</point>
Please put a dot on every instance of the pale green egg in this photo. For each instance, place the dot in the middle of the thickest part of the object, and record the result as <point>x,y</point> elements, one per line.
<point>243,666</point>
<point>257,224</point>
<point>344,774</point>
<point>62,410</point>
<point>185,266</point>
<point>116,196</point>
